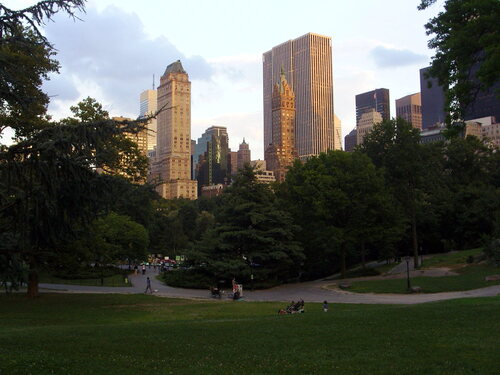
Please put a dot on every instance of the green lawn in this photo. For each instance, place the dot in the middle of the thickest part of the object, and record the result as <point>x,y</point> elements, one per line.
<point>470,277</point>
<point>451,259</point>
<point>115,280</point>
<point>138,334</point>
<point>384,268</point>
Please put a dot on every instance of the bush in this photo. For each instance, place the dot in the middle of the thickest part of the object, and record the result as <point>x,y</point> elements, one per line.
<point>88,273</point>
<point>492,250</point>
<point>198,280</point>
<point>187,279</point>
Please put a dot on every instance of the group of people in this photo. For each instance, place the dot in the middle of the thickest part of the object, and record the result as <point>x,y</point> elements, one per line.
<point>298,307</point>
<point>293,308</point>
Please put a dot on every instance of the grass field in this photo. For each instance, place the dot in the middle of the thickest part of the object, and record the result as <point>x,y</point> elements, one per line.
<point>138,334</point>
<point>468,278</point>
<point>114,281</point>
<point>451,259</point>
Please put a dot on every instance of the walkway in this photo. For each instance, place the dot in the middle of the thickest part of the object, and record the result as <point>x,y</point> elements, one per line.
<point>313,291</point>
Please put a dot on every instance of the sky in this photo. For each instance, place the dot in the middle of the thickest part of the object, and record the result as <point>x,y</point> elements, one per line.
<point>112,52</point>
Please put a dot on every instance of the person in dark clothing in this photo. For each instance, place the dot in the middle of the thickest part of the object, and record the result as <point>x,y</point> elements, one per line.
<point>148,286</point>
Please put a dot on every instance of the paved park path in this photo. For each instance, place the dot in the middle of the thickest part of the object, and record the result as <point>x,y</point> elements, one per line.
<point>313,291</point>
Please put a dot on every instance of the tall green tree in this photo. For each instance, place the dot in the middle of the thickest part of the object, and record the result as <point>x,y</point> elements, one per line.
<point>48,182</point>
<point>394,146</point>
<point>340,202</point>
<point>466,38</point>
<point>26,59</point>
<point>253,234</point>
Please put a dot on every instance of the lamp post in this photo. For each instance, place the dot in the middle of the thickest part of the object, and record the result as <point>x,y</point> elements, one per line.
<point>407,258</point>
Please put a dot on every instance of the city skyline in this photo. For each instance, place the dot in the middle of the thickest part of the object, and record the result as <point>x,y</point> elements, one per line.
<point>225,67</point>
<point>307,61</point>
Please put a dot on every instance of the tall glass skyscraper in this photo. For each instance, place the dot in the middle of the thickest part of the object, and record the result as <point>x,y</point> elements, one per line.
<point>307,63</point>
<point>148,105</point>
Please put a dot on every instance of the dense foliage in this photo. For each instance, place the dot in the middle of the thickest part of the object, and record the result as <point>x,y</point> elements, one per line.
<point>466,38</point>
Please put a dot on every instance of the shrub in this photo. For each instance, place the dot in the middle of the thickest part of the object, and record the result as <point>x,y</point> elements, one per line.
<point>492,250</point>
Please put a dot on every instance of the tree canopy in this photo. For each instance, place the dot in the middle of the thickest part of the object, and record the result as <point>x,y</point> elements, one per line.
<point>466,38</point>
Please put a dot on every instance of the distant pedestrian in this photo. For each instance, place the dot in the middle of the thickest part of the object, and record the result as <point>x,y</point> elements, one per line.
<point>136,270</point>
<point>325,306</point>
<point>143,269</point>
<point>148,286</point>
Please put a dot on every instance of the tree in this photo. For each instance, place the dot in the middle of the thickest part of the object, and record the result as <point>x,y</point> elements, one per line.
<point>48,184</point>
<point>467,201</point>
<point>253,235</point>
<point>123,156</point>
<point>340,202</point>
<point>116,238</point>
<point>27,58</point>
<point>394,146</point>
<point>466,37</point>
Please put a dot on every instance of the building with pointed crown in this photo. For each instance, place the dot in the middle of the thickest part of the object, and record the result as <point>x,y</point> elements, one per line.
<point>171,171</point>
<point>243,155</point>
<point>307,62</point>
<point>281,153</point>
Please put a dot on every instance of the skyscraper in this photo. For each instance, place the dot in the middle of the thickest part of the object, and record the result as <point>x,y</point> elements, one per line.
<point>377,100</point>
<point>432,99</point>
<point>212,151</point>
<point>148,105</point>
<point>409,108</point>
<point>280,153</point>
<point>172,168</point>
<point>307,63</point>
<point>243,155</point>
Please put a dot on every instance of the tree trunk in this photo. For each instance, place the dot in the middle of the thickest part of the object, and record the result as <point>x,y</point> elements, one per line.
<point>414,240</point>
<point>363,255</point>
<point>343,265</point>
<point>33,280</point>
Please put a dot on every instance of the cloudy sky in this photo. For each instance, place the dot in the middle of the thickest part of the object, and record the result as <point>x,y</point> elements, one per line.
<point>113,52</point>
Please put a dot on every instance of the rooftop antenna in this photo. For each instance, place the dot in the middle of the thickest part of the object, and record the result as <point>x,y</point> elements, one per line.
<point>153,81</point>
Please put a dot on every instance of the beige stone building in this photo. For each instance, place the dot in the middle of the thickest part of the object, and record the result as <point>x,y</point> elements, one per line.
<point>491,133</point>
<point>366,123</point>
<point>338,132</point>
<point>307,62</point>
<point>243,155</point>
<point>171,171</point>
<point>141,138</point>
<point>148,107</point>
<point>409,108</point>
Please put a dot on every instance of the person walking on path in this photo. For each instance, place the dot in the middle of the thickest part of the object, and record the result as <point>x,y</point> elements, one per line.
<point>325,306</point>
<point>143,269</point>
<point>148,286</point>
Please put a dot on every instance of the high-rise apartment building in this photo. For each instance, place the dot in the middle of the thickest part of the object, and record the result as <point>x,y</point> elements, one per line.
<point>148,107</point>
<point>409,108</point>
<point>377,100</point>
<point>140,138</point>
<point>280,154</point>
<point>307,63</point>
<point>432,100</point>
<point>243,154</point>
<point>365,124</point>
<point>212,151</point>
<point>172,167</point>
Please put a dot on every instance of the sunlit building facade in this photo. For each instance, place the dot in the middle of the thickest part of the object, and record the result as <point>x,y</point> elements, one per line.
<point>307,63</point>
